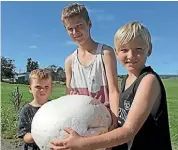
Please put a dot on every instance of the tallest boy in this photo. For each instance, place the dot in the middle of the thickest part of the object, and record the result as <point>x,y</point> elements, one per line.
<point>92,68</point>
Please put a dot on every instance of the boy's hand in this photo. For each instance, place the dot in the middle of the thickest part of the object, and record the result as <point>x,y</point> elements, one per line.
<point>73,92</point>
<point>73,142</point>
<point>28,138</point>
<point>114,124</point>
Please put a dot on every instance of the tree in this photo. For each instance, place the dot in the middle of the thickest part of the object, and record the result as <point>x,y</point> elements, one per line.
<point>61,74</point>
<point>57,73</point>
<point>31,65</point>
<point>52,69</point>
<point>7,68</point>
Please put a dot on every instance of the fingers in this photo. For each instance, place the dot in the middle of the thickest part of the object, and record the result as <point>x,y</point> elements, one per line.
<point>57,145</point>
<point>69,130</point>
<point>73,92</point>
<point>58,148</point>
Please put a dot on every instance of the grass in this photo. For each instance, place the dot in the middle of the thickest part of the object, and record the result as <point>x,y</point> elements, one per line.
<point>9,117</point>
<point>172,99</point>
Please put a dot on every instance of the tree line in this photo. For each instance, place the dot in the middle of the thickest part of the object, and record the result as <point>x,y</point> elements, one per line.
<point>8,69</point>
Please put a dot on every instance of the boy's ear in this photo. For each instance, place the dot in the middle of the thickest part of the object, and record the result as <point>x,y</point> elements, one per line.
<point>115,51</point>
<point>29,88</point>
<point>89,24</point>
<point>150,50</point>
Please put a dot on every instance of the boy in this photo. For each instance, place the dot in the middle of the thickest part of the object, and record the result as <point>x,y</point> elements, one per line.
<point>92,68</point>
<point>40,85</point>
<point>143,116</point>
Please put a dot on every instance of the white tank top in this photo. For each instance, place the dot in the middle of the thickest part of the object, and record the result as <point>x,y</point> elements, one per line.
<point>90,80</point>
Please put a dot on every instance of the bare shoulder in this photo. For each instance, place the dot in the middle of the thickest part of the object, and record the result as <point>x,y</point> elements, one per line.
<point>107,50</point>
<point>150,80</point>
<point>68,59</point>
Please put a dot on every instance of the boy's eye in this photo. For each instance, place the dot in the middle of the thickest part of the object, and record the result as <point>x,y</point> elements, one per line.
<point>123,50</point>
<point>139,49</point>
<point>79,26</point>
<point>69,29</point>
<point>38,87</point>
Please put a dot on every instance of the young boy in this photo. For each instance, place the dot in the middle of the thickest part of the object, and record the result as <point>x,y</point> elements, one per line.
<point>40,85</point>
<point>92,68</point>
<point>143,115</point>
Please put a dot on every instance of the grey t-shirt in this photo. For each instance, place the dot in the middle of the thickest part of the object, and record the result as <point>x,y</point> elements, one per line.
<point>25,120</point>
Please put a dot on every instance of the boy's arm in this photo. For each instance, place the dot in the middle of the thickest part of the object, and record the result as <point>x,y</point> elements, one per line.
<point>28,138</point>
<point>110,63</point>
<point>24,127</point>
<point>68,71</point>
<point>145,97</point>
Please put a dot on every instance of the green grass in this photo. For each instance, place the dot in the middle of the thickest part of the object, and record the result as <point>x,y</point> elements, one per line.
<point>172,99</point>
<point>9,116</point>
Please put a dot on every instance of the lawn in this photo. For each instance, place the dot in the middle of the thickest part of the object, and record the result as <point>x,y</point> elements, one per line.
<point>9,116</point>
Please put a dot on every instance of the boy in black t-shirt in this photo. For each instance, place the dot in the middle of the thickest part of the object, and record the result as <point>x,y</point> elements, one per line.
<point>40,87</point>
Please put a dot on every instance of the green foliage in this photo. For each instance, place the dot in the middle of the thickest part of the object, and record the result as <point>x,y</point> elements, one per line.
<point>16,98</point>
<point>31,65</point>
<point>7,68</point>
<point>57,73</point>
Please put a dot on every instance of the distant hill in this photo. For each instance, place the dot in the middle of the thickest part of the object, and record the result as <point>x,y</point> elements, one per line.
<point>162,76</point>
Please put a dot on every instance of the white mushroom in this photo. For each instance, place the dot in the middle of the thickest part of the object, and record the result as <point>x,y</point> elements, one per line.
<point>82,113</point>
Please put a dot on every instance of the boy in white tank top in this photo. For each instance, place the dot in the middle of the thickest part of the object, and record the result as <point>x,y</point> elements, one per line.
<point>92,68</point>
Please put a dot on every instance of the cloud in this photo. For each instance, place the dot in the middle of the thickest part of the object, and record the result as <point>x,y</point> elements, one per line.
<point>95,10</point>
<point>104,17</point>
<point>156,38</point>
<point>33,47</point>
<point>70,43</point>
<point>100,14</point>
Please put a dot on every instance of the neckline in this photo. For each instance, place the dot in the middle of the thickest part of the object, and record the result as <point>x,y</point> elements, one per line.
<point>142,71</point>
<point>124,90</point>
<point>33,106</point>
<point>91,64</point>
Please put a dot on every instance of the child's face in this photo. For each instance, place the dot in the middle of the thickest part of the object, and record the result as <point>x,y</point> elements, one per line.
<point>41,90</point>
<point>133,55</point>
<point>78,29</point>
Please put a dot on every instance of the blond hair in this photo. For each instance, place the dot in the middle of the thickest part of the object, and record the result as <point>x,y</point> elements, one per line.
<point>73,10</point>
<point>41,74</point>
<point>129,32</point>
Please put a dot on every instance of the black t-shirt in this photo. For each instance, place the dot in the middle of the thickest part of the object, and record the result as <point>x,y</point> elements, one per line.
<point>154,134</point>
<point>25,120</point>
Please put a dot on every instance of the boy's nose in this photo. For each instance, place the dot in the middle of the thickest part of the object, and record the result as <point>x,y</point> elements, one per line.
<point>42,89</point>
<point>131,54</point>
<point>74,31</point>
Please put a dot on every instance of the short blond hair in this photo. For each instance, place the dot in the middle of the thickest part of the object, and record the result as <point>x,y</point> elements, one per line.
<point>41,74</point>
<point>129,32</point>
<point>73,10</point>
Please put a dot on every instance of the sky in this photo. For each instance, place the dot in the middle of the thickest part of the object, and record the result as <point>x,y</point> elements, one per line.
<point>32,29</point>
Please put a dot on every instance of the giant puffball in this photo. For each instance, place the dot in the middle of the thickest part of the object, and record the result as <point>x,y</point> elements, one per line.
<point>82,113</point>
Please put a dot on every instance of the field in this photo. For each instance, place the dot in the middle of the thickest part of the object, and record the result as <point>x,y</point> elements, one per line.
<point>9,116</point>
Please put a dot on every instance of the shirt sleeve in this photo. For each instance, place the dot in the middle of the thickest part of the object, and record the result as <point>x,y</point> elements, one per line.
<point>24,124</point>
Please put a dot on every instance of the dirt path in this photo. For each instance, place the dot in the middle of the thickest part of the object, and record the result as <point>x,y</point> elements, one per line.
<point>8,144</point>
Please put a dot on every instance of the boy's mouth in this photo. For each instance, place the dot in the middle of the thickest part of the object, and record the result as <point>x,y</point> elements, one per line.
<point>77,36</point>
<point>131,62</point>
